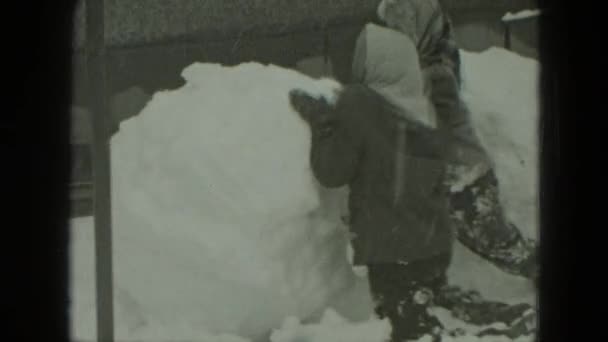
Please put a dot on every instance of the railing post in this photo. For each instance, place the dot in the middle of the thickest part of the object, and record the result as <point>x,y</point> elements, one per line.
<point>98,101</point>
<point>507,42</point>
<point>509,19</point>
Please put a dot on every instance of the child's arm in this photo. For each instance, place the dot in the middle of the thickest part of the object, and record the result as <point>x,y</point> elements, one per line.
<point>449,49</point>
<point>445,94</point>
<point>454,117</point>
<point>333,156</point>
<point>334,150</point>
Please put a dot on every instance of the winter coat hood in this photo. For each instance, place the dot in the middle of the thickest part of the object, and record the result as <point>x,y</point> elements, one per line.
<point>387,61</point>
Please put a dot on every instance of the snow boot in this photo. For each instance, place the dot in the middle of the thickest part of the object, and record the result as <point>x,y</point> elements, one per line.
<point>498,318</point>
<point>469,306</point>
<point>525,325</point>
<point>404,292</point>
<point>410,319</point>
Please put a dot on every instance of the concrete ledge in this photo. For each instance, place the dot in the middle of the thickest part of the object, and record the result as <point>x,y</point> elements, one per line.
<point>154,67</point>
<point>137,22</point>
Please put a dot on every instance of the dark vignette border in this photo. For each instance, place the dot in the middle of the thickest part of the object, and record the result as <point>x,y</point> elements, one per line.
<point>35,153</point>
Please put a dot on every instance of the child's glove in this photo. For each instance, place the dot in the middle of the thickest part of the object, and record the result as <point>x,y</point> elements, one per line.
<point>336,137</point>
<point>317,113</point>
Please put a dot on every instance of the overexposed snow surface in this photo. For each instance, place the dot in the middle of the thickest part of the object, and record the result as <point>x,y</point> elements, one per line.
<point>501,89</point>
<point>222,235</point>
<point>521,15</point>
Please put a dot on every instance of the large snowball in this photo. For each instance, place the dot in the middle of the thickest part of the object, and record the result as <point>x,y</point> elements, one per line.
<point>218,223</point>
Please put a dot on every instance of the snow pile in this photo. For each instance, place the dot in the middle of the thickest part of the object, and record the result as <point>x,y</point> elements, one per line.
<point>221,233</point>
<point>218,223</point>
<point>452,324</point>
<point>501,90</point>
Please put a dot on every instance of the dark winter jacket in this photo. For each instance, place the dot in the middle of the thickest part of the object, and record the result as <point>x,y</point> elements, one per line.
<point>380,139</point>
<point>354,142</point>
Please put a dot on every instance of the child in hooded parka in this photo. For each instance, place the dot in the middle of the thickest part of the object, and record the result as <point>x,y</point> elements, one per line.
<point>397,149</point>
<point>487,233</point>
<point>380,139</point>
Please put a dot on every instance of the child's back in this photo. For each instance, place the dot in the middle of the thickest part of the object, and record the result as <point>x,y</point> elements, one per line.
<point>355,143</point>
<point>380,139</point>
<point>388,229</point>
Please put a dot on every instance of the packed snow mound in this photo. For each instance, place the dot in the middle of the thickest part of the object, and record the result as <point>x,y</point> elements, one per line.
<point>230,124</point>
<point>501,89</point>
<point>218,222</point>
<point>452,324</point>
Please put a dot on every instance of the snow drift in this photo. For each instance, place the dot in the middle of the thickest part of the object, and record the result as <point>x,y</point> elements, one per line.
<point>222,234</point>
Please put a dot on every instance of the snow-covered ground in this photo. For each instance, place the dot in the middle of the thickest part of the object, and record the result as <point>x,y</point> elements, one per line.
<point>221,233</point>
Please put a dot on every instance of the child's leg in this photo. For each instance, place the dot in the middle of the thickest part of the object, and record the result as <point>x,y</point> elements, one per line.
<point>470,306</point>
<point>403,292</point>
<point>481,226</point>
<point>484,229</point>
